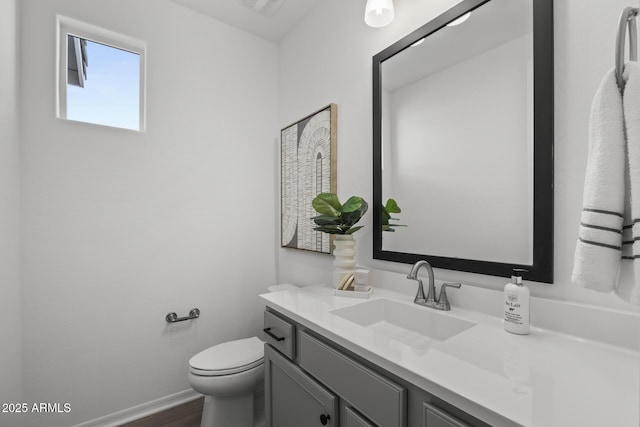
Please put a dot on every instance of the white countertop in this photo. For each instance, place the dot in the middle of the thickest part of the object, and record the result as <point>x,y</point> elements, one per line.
<point>544,379</point>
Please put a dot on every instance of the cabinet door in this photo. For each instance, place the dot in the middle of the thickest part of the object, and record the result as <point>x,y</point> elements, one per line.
<point>292,398</point>
<point>436,417</point>
<point>373,395</point>
<point>353,419</point>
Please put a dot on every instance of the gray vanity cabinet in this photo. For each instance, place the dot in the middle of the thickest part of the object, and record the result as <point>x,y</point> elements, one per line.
<point>311,381</point>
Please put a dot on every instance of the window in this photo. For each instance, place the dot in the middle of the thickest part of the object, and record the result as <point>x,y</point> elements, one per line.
<point>101,76</point>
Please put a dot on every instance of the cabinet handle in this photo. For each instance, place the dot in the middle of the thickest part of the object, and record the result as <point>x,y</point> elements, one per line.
<point>272,335</point>
<point>324,419</point>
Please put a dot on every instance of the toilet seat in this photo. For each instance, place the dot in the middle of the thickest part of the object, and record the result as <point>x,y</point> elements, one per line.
<point>228,358</point>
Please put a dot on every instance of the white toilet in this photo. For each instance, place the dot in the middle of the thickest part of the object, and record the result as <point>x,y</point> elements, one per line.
<point>228,374</point>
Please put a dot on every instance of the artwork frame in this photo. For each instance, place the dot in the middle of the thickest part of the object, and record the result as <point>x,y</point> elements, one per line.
<point>308,165</point>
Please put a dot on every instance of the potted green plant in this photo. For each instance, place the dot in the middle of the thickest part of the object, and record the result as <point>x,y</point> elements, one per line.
<point>339,220</point>
<point>335,217</point>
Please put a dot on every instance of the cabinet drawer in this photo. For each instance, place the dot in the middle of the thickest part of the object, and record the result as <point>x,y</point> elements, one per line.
<point>436,417</point>
<point>377,398</point>
<point>279,333</point>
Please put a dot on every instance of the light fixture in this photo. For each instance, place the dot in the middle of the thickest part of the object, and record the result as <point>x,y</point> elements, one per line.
<point>459,20</point>
<point>263,7</point>
<point>378,13</point>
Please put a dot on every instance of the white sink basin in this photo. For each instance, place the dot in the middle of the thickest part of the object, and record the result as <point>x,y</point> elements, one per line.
<point>385,314</point>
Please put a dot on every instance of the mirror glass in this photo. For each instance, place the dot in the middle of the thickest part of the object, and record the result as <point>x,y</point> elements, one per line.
<point>463,140</point>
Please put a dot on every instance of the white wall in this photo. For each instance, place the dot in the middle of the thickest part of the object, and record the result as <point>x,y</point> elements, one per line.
<point>10,295</point>
<point>336,37</point>
<point>121,227</point>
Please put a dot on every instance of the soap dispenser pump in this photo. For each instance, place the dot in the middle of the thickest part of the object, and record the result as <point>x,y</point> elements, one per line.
<point>516,304</point>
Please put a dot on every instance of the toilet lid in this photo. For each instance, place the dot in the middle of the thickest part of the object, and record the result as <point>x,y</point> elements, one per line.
<point>228,358</point>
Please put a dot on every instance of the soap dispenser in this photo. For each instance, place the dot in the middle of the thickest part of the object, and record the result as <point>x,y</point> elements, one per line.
<point>516,304</point>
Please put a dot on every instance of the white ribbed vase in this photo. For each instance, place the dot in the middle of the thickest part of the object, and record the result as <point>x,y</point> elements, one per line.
<point>344,253</point>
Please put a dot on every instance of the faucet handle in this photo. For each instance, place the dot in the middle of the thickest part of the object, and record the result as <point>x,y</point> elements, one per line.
<point>443,301</point>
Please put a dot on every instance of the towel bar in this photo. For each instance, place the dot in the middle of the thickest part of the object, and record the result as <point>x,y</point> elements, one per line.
<point>173,317</point>
<point>627,19</point>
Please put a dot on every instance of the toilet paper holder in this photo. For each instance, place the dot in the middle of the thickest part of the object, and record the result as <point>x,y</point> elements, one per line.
<point>173,317</point>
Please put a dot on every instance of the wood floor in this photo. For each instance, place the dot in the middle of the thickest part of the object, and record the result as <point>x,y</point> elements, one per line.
<point>185,415</point>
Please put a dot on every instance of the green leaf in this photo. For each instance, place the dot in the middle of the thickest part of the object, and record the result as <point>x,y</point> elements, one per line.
<point>329,229</point>
<point>327,204</point>
<point>385,216</point>
<point>326,219</point>
<point>392,206</point>
<point>351,218</point>
<point>353,204</point>
<point>353,229</point>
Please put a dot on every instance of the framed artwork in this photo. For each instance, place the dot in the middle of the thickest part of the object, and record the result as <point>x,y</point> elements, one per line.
<point>308,168</point>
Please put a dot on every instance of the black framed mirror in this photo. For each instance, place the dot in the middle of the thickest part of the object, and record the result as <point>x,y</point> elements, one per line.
<point>463,140</point>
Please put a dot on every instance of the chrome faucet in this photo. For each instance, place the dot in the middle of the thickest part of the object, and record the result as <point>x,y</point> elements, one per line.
<point>430,300</point>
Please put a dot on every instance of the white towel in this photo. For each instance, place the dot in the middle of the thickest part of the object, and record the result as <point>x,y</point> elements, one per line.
<point>598,250</point>
<point>629,290</point>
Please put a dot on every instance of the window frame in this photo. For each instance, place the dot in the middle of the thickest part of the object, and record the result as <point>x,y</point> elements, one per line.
<point>71,27</point>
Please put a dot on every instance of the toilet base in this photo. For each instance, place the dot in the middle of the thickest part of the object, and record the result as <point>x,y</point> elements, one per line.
<point>236,411</point>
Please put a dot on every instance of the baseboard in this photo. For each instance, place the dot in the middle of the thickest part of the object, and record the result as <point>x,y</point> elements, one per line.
<point>142,410</point>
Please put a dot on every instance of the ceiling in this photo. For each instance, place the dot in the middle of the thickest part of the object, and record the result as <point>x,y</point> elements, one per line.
<point>273,28</point>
